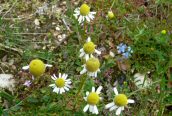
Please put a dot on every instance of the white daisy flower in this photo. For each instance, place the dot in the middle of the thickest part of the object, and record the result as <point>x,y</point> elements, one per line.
<point>61,83</point>
<point>119,102</point>
<point>36,67</point>
<point>88,49</point>
<point>92,100</point>
<point>83,13</point>
<point>91,67</point>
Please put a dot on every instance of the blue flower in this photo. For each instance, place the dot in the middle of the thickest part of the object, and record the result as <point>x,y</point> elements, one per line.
<point>124,50</point>
<point>121,48</point>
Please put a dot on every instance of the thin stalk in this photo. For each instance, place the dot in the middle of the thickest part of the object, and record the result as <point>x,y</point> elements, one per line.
<point>80,88</point>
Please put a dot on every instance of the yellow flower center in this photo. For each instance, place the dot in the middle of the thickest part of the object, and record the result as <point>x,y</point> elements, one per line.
<point>89,47</point>
<point>36,67</point>
<point>93,98</point>
<point>92,64</point>
<point>84,9</point>
<point>163,32</point>
<point>121,100</point>
<point>110,15</point>
<point>60,82</point>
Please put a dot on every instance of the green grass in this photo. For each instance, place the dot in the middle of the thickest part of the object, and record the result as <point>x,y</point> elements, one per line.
<point>137,26</point>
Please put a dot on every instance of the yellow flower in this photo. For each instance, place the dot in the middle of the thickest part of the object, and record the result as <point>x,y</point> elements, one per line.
<point>92,100</point>
<point>111,15</point>
<point>119,102</point>
<point>91,66</point>
<point>163,32</point>
<point>88,49</point>
<point>61,84</point>
<point>83,13</point>
<point>36,67</point>
<point>84,9</point>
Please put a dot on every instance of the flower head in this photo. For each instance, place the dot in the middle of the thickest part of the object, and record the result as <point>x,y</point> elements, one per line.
<point>88,49</point>
<point>36,67</point>
<point>163,32</point>
<point>121,48</point>
<point>61,84</point>
<point>124,50</point>
<point>119,102</point>
<point>111,15</point>
<point>27,83</point>
<point>83,13</point>
<point>92,99</point>
<point>91,66</point>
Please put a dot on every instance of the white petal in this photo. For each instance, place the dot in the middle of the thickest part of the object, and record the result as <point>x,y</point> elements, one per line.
<point>91,108</point>
<point>67,89</point>
<point>91,16</point>
<point>91,56</point>
<point>83,71</point>
<point>122,107</point>
<point>25,67</point>
<point>76,15</point>
<point>109,105</point>
<point>88,39</point>
<point>86,108</point>
<point>80,19</point>
<point>33,77</point>
<point>86,57</point>
<point>95,110</point>
<point>99,89</point>
<point>81,50</point>
<point>95,74</point>
<point>56,90</point>
<point>93,89</point>
<point>113,108</point>
<point>48,65</point>
<point>115,91</point>
<point>60,75</point>
<point>87,18</point>
<point>118,111</point>
<point>52,85</point>
<point>67,85</point>
<point>130,101</point>
<point>93,12</point>
<point>85,98</point>
<point>65,77</point>
<point>61,90</point>
<point>68,82</point>
<point>83,18</point>
<point>82,54</point>
<point>98,52</point>
<point>87,93</point>
<point>53,78</point>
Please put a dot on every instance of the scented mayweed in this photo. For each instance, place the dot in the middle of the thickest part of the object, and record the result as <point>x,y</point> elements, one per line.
<point>119,102</point>
<point>91,67</point>
<point>36,67</point>
<point>88,49</point>
<point>92,99</point>
<point>61,84</point>
<point>83,13</point>
<point>111,15</point>
<point>163,32</point>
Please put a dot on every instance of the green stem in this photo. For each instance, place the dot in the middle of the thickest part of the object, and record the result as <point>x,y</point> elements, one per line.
<point>80,88</point>
<point>82,84</point>
<point>143,88</point>
<point>112,4</point>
